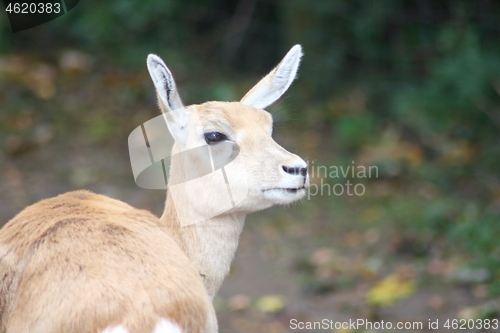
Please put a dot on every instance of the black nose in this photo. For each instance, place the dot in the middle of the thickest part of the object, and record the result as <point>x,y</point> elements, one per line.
<point>295,170</point>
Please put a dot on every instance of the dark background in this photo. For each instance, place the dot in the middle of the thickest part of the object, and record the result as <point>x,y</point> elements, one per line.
<point>411,87</point>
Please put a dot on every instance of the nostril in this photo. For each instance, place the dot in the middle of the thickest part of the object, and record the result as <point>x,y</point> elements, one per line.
<point>295,170</point>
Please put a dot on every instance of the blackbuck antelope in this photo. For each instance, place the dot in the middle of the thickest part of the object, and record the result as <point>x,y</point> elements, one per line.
<point>85,263</point>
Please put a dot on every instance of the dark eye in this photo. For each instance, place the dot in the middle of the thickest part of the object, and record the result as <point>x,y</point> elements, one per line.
<point>214,137</point>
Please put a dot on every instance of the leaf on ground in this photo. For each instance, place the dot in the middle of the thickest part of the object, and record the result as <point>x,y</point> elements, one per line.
<point>390,289</point>
<point>270,303</point>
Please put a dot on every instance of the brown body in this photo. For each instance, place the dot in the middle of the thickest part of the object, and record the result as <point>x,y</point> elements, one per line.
<point>81,262</point>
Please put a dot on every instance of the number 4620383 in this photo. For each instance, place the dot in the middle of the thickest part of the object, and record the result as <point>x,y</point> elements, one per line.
<point>34,8</point>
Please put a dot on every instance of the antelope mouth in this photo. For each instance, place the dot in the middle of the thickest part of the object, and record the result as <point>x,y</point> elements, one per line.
<point>284,189</point>
<point>284,195</point>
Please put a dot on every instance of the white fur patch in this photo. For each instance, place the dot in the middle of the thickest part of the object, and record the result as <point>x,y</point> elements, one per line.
<point>166,326</point>
<point>117,329</point>
<point>163,326</point>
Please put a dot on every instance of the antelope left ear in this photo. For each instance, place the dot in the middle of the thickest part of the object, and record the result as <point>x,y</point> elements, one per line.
<point>274,84</point>
<point>174,112</point>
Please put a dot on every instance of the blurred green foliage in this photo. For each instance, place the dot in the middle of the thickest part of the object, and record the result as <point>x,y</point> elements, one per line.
<point>411,86</point>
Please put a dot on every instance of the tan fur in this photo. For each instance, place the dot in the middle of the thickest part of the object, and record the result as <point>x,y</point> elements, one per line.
<point>81,262</point>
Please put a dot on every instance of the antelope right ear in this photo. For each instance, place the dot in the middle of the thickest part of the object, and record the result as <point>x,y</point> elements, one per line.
<point>274,84</point>
<point>168,98</point>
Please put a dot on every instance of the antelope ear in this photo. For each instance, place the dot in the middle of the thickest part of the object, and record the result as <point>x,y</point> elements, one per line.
<point>274,84</point>
<point>168,98</point>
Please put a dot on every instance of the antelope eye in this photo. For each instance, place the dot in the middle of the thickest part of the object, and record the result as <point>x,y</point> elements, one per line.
<point>214,137</point>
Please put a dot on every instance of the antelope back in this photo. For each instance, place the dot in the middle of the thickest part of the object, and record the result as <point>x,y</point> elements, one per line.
<point>83,262</point>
